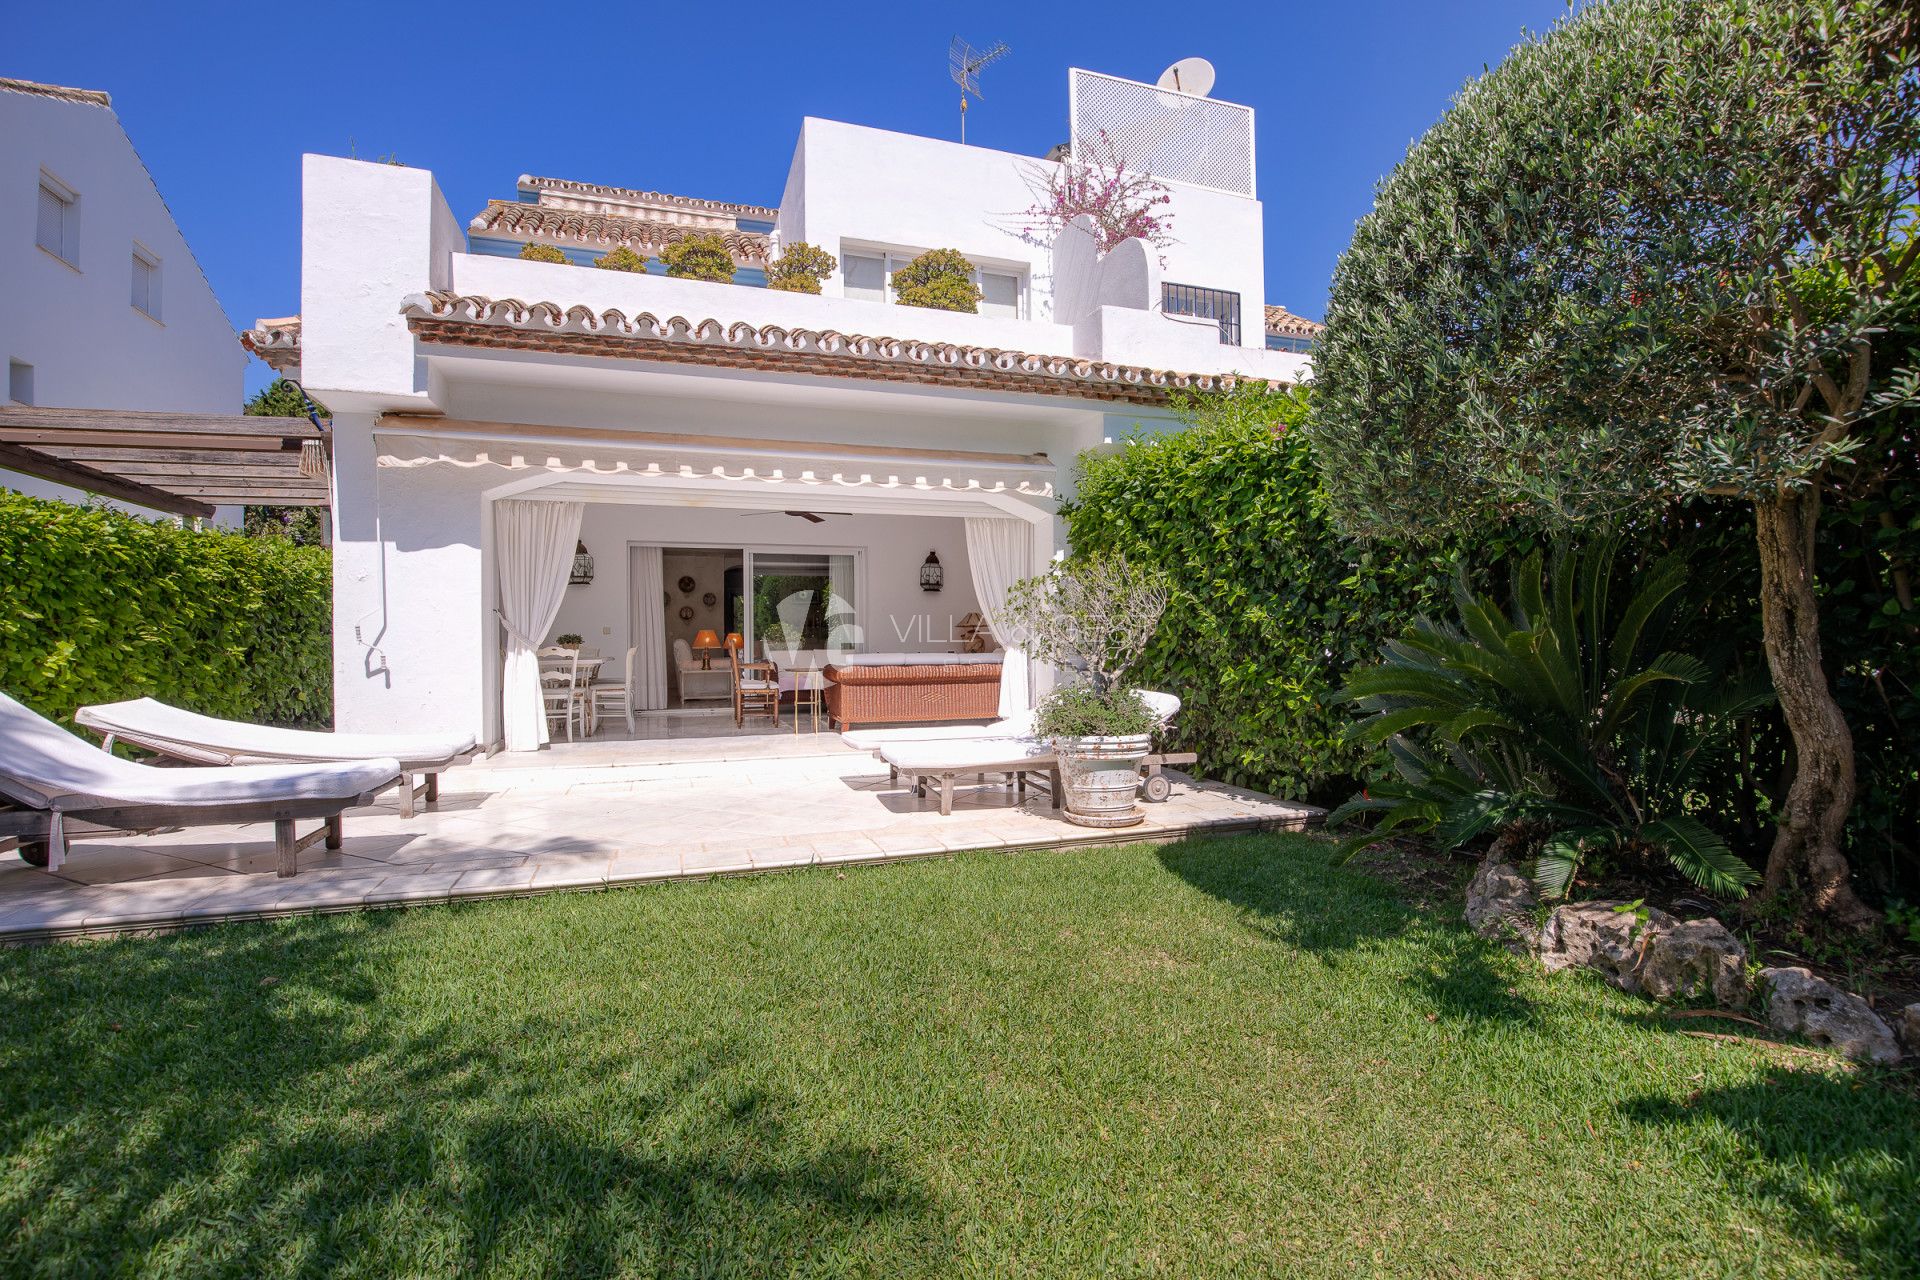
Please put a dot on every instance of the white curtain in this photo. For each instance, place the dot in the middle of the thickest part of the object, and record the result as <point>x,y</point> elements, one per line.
<point>1000,553</point>
<point>534,542</point>
<point>843,616</point>
<point>650,630</point>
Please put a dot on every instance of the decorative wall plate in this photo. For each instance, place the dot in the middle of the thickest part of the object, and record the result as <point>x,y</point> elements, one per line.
<point>686,613</point>
<point>686,585</point>
<point>709,599</point>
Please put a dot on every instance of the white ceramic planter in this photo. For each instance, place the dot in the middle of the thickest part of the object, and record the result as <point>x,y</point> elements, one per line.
<point>1101,777</point>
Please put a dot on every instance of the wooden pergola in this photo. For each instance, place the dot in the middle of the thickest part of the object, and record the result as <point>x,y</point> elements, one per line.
<point>185,464</point>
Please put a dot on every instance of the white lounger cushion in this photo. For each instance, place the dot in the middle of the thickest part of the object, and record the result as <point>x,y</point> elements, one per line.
<point>188,735</point>
<point>1165,706</point>
<point>43,766</point>
<point>873,739</point>
<point>957,756</point>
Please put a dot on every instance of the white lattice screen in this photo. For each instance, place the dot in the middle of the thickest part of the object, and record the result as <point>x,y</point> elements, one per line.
<point>1163,132</point>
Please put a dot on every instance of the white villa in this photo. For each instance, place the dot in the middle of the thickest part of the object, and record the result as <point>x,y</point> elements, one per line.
<point>525,449</point>
<point>106,307</point>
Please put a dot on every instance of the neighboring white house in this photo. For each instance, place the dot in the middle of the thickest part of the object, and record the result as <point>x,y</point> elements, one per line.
<point>709,443</point>
<point>106,306</point>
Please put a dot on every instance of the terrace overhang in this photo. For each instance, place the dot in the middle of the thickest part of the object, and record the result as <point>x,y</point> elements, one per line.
<point>719,470</point>
<point>465,321</point>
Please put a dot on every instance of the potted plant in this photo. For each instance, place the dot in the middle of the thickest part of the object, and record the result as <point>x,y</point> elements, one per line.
<point>622,258</point>
<point>939,278</point>
<point>702,255</point>
<point>1096,616</point>
<point>568,641</point>
<point>800,268</point>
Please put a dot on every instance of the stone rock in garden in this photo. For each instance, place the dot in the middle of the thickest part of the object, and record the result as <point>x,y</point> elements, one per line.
<point>1687,957</point>
<point>1593,935</point>
<point>1800,1003</point>
<point>1906,1029</point>
<point>1500,906</point>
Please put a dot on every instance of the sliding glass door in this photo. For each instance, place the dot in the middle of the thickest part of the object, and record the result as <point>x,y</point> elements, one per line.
<point>800,600</point>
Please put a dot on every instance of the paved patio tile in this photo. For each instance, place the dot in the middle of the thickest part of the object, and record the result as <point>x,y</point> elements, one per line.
<point>493,880</point>
<point>634,866</point>
<point>596,814</point>
<point>714,862</point>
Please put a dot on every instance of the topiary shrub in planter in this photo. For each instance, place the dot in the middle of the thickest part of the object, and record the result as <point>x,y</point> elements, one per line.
<point>531,252</point>
<point>1095,615</point>
<point>800,268</point>
<point>941,279</point>
<point>702,256</point>
<point>621,258</point>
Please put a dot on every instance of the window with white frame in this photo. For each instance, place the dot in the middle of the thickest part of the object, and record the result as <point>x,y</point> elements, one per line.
<point>19,382</point>
<point>57,227</point>
<point>146,282</point>
<point>868,275</point>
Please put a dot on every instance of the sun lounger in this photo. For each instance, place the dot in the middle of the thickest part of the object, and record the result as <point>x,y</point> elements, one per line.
<point>943,758</point>
<point>941,762</point>
<point>198,739</point>
<point>1165,706</point>
<point>50,779</point>
<point>1018,726</point>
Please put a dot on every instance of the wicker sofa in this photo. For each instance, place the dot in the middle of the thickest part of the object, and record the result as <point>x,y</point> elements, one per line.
<point>912,688</point>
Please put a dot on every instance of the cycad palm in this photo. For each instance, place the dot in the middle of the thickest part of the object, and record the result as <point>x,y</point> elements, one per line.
<point>1566,714</point>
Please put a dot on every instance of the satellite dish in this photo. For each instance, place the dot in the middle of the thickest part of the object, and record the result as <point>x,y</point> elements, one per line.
<point>1189,75</point>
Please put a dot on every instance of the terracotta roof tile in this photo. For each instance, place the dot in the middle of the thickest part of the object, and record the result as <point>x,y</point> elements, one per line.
<point>627,195</point>
<point>85,97</point>
<point>447,319</point>
<point>532,221</point>
<point>1284,323</point>
<point>276,341</point>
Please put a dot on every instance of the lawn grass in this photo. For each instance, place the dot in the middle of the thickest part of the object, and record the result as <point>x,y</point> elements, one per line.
<point>1223,1057</point>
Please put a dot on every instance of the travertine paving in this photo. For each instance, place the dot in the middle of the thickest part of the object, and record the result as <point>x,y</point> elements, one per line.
<point>582,817</point>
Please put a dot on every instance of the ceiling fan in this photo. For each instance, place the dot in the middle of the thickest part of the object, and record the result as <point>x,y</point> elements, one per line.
<point>811,517</point>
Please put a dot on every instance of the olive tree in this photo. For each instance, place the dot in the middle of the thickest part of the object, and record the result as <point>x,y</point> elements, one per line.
<point>1649,257</point>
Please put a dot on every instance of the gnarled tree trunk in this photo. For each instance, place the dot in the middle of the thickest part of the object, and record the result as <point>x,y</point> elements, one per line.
<point>1806,851</point>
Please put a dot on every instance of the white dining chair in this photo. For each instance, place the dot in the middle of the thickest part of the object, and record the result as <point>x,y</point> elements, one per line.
<point>560,686</point>
<point>615,694</point>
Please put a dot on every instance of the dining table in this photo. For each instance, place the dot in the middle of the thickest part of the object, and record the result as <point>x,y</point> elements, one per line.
<point>556,666</point>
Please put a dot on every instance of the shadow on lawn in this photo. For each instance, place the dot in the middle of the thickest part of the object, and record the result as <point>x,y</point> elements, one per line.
<point>1835,1156</point>
<point>1287,889</point>
<point>165,1110</point>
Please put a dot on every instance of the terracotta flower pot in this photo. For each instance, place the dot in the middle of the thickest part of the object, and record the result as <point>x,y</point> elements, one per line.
<point>1101,777</point>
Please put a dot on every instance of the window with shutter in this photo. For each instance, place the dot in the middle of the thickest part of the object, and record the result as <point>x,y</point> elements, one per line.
<point>57,227</point>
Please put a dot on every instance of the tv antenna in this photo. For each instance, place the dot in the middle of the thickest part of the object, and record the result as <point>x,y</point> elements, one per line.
<point>964,64</point>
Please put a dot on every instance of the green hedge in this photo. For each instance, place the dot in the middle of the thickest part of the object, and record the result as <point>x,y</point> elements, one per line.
<point>96,606</point>
<point>1271,606</point>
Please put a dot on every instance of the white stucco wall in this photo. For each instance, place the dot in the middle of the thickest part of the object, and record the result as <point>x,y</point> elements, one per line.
<point>75,323</point>
<point>895,190</point>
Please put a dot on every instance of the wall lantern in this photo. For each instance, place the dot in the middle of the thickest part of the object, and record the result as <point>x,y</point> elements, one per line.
<point>931,574</point>
<point>582,566</point>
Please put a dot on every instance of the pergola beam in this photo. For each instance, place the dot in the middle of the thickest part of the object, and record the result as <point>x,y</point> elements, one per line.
<point>31,462</point>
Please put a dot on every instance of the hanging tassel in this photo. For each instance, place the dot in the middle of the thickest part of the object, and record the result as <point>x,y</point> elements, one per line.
<point>313,460</point>
<point>56,840</point>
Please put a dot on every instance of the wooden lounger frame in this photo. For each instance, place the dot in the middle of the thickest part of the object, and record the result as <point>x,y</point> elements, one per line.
<point>1153,786</point>
<point>35,827</point>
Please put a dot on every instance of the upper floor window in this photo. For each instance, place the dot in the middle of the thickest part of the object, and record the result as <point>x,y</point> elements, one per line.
<point>19,382</point>
<point>1289,342</point>
<point>1219,305</point>
<point>146,282</point>
<point>869,277</point>
<point>57,228</point>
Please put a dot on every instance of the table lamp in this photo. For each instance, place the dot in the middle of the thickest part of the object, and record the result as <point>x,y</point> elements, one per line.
<point>734,641</point>
<point>706,641</point>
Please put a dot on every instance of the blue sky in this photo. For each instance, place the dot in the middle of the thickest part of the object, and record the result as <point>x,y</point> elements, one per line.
<point>222,100</point>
